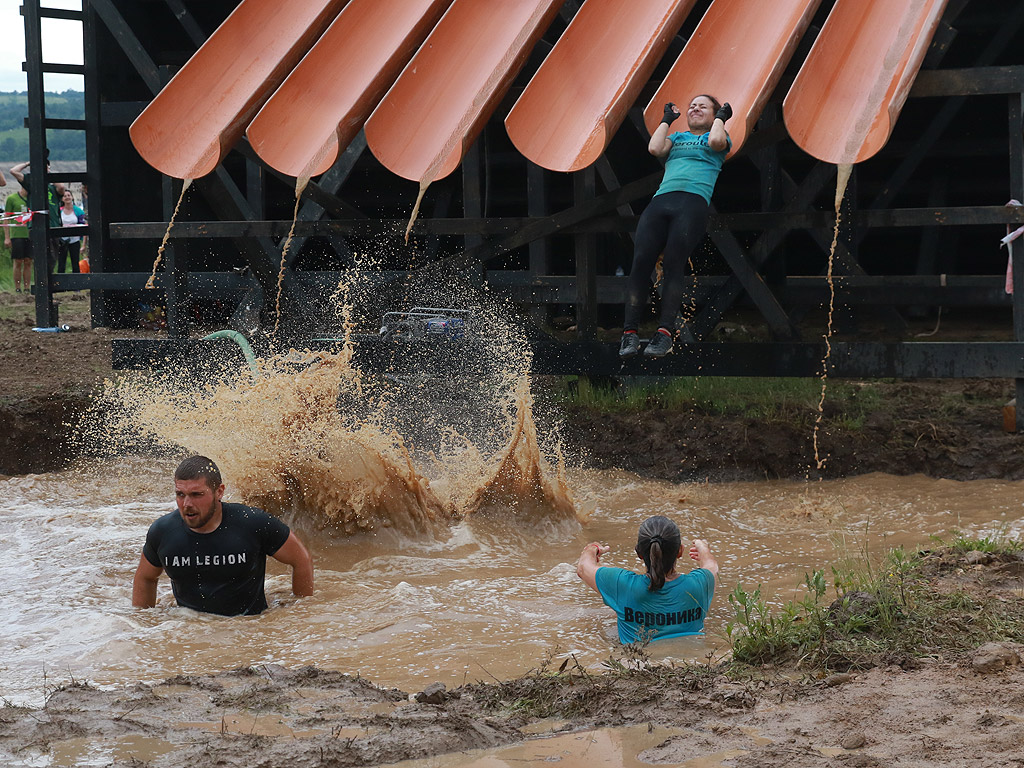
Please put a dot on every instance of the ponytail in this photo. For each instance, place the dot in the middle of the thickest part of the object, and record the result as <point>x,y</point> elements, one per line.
<point>654,567</point>
<point>658,543</point>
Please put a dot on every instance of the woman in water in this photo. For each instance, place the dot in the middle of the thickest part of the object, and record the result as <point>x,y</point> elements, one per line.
<point>676,219</point>
<point>662,603</point>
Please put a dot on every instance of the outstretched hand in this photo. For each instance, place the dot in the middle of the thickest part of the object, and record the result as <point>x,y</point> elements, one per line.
<point>671,113</point>
<point>588,563</point>
<point>724,112</point>
<point>700,553</point>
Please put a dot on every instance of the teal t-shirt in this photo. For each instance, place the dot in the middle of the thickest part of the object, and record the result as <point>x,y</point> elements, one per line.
<point>677,609</point>
<point>692,166</point>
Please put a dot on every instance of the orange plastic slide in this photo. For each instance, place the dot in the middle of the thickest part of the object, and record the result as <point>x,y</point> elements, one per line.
<point>204,109</point>
<point>844,102</point>
<point>323,103</point>
<point>442,99</point>
<point>737,54</point>
<point>581,93</point>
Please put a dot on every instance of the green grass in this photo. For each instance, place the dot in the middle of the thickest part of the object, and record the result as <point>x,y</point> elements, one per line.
<point>759,398</point>
<point>991,544</point>
<point>6,275</point>
<point>877,615</point>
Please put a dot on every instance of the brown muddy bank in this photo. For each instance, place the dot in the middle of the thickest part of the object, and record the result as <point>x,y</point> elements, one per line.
<point>940,428</point>
<point>911,437</point>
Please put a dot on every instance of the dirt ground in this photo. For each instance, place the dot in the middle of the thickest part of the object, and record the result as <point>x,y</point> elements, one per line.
<point>942,710</point>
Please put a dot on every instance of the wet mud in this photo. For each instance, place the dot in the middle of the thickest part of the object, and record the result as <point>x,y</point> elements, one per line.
<point>952,709</point>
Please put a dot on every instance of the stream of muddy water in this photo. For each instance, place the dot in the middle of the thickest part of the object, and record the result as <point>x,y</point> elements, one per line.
<point>485,597</point>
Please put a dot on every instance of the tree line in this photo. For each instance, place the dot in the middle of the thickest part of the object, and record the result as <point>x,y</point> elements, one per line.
<point>63,144</point>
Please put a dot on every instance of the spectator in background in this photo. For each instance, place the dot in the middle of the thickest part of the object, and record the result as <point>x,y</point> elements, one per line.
<point>70,216</point>
<point>17,240</point>
<point>54,193</point>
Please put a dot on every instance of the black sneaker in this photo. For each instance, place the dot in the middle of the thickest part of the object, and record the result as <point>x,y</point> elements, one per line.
<point>659,345</point>
<point>629,345</point>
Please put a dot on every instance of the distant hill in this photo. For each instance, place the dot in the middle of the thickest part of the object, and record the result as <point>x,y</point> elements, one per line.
<point>64,145</point>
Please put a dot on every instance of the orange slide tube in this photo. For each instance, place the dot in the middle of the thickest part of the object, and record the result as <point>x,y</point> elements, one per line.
<point>323,103</point>
<point>581,93</point>
<point>737,54</point>
<point>844,102</point>
<point>200,114</point>
<point>442,99</point>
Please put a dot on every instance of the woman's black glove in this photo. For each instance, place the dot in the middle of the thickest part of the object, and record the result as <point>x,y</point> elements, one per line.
<point>670,113</point>
<point>724,112</point>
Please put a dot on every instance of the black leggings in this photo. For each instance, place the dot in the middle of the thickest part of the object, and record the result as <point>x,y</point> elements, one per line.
<point>65,249</point>
<point>674,224</point>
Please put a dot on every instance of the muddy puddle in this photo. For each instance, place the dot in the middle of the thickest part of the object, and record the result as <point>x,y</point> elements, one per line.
<point>488,598</point>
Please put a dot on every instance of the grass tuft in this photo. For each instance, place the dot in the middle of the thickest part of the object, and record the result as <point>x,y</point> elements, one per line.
<point>889,614</point>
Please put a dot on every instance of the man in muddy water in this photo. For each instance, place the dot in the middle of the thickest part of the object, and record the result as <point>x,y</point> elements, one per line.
<point>215,552</point>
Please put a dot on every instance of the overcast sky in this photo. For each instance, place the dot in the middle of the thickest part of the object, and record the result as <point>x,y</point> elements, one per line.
<point>62,44</point>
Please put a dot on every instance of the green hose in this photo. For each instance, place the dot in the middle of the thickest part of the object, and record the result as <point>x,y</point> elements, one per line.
<point>243,344</point>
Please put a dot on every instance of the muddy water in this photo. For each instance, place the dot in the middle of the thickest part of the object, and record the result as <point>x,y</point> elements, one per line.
<point>490,597</point>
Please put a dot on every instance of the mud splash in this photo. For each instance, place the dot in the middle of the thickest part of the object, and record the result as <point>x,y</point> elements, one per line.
<point>309,433</point>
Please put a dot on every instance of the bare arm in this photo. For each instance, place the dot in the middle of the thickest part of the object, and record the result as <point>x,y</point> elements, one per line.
<point>718,138</point>
<point>3,179</point>
<point>659,145</point>
<point>17,171</point>
<point>293,553</point>
<point>144,585</point>
<point>700,553</point>
<point>589,562</point>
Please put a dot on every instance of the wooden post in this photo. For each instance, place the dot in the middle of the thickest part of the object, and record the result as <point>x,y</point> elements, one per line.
<point>584,190</point>
<point>537,206</point>
<point>472,200</point>
<point>1016,113</point>
<point>38,197</point>
<point>93,164</point>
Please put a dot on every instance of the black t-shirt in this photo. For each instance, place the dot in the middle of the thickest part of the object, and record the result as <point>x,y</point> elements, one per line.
<point>221,571</point>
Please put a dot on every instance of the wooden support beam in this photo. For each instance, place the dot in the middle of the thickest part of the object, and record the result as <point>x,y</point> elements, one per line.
<point>188,22</point>
<point>801,197</point>
<point>584,190</point>
<point>747,275</point>
<point>947,113</point>
<point>129,43</point>
<point>96,209</point>
<point>1016,152</point>
<point>553,224</point>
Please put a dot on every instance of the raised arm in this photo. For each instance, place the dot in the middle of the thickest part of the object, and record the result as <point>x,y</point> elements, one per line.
<point>295,554</point>
<point>659,145</point>
<point>18,172</point>
<point>144,586</point>
<point>718,137</point>
<point>700,553</point>
<point>589,562</point>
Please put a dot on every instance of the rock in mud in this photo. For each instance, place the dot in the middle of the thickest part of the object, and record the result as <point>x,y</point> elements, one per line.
<point>432,694</point>
<point>977,557</point>
<point>993,657</point>
<point>854,740</point>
